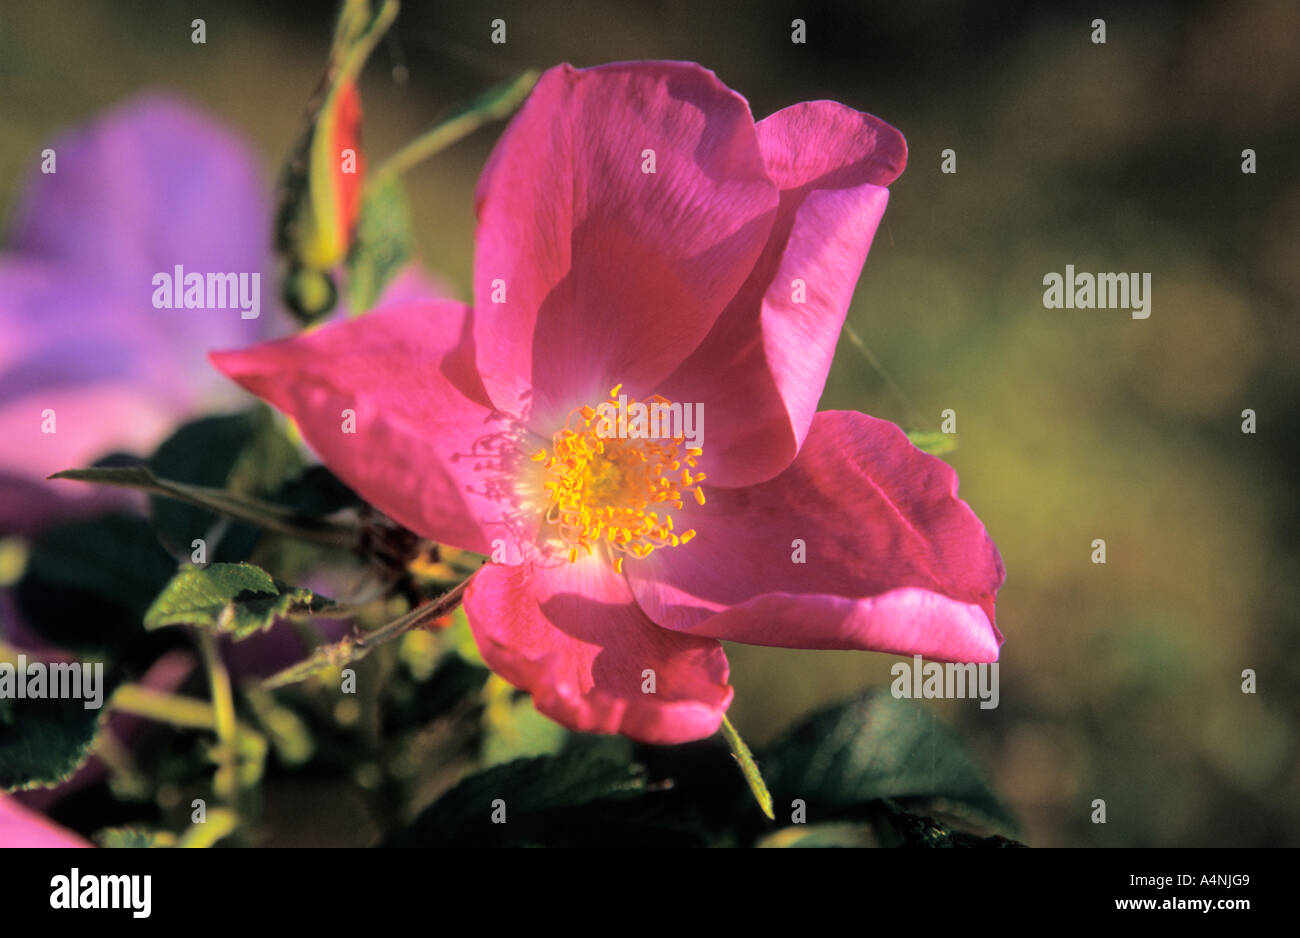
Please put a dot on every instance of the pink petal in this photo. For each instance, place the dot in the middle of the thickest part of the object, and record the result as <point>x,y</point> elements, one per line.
<point>573,637</point>
<point>20,827</point>
<point>613,275</point>
<point>825,145</point>
<point>761,370</point>
<point>895,561</point>
<point>428,450</point>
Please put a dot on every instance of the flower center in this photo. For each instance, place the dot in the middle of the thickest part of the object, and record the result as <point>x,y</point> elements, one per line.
<point>608,491</point>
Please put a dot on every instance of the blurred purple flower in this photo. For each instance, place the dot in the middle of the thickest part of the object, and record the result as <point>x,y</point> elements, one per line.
<point>142,188</point>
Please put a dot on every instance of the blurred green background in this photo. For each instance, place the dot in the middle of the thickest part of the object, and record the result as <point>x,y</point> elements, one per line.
<point>1120,681</point>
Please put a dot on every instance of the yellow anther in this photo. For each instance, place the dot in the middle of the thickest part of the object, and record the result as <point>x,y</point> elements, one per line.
<point>598,484</point>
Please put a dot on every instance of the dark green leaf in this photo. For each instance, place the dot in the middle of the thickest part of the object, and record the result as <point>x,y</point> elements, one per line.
<point>87,583</point>
<point>410,703</point>
<point>876,746</point>
<point>315,491</point>
<point>245,453</point>
<point>43,742</point>
<point>231,598</point>
<point>896,827</point>
<point>571,799</point>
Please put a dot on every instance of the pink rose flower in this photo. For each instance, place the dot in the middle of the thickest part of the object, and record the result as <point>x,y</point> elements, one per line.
<point>639,234</point>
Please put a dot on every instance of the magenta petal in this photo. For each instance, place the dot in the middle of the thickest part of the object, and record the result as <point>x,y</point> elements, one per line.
<point>424,447</point>
<point>761,370</point>
<point>825,145</point>
<point>21,827</point>
<point>611,274</point>
<point>573,637</point>
<point>895,561</point>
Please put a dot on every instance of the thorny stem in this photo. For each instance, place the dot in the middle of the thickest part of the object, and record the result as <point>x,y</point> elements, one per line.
<point>356,647</point>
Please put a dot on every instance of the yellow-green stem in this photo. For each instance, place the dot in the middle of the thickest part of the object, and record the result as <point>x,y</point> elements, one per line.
<point>223,706</point>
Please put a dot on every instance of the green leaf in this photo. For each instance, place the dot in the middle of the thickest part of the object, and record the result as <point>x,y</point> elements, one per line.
<point>238,599</point>
<point>933,441</point>
<point>571,799</point>
<point>245,453</point>
<point>872,747</point>
<point>409,703</point>
<point>896,827</point>
<point>383,243</point>
<point>43,742</point>
<point>315,491</point>
<point>87,583</point>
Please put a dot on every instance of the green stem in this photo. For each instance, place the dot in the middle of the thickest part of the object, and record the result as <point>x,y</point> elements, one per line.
<point>748,767</point>
<point>173,709</point>
<point>263,514</point>
<point>220,823</point>
<point>157,705</point>
<point>355,647</point>
<point>417,616</point>
<point>496,103</point>
<point>223,706</point>
<point>126,776</point>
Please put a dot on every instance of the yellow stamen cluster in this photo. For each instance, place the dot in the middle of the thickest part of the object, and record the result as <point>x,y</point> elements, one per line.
<point>615,494</point>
